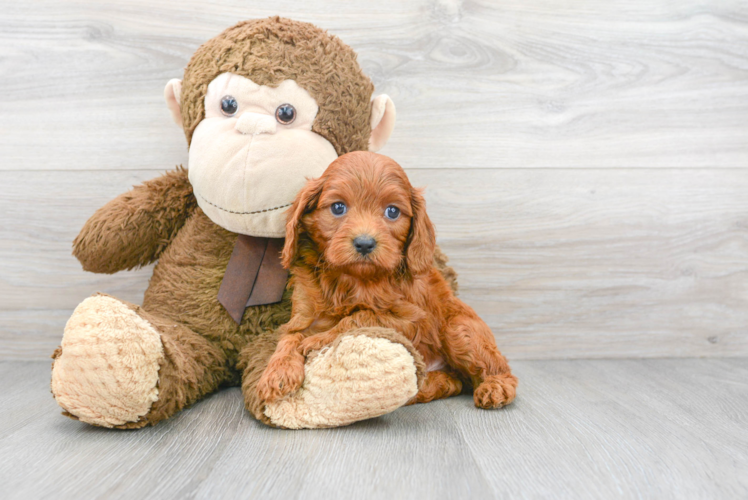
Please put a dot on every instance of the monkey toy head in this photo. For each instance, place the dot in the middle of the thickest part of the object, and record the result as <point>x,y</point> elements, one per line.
<point>266,105</point>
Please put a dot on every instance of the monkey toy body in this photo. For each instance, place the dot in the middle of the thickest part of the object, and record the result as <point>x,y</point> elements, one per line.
<point>264,106</point>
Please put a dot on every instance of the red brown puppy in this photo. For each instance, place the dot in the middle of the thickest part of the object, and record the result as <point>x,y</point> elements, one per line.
<point>361,252</point>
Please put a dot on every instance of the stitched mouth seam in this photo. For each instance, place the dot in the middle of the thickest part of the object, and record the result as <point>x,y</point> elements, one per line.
<point>245,213</point>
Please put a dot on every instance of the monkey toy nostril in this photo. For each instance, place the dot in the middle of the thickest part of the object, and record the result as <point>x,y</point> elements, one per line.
<point>364,244</point>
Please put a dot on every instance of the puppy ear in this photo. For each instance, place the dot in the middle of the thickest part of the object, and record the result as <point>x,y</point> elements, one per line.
<point>305,202</point>
<point>421,243</point>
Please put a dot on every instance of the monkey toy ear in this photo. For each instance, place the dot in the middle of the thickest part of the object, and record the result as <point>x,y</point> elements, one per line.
<point>382,121</point>
<point>172,94</point>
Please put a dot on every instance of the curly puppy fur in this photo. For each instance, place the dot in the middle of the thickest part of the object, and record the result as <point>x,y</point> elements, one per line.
<point>340,285</point>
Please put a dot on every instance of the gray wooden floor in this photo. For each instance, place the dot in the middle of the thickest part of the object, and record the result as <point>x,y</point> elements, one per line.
<point>674,428</point>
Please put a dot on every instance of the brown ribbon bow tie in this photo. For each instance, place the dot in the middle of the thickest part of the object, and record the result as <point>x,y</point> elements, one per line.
<point>254,275</point>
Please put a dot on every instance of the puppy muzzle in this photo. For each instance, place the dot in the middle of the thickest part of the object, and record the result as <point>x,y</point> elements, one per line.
<point>364,244</point>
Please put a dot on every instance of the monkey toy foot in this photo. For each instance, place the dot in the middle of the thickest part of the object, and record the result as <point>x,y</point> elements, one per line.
<point>106,370</point>
<point>365,373</point>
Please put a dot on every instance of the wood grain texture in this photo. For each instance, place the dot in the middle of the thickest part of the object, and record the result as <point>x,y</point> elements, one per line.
<point>560,263</point>
<point>578,429</point>
<point>587,164</point>
<point>480,84</point>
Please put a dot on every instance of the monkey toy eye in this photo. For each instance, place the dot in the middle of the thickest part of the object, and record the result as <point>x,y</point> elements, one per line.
<point>392,212</point>
<point>338,208</point>
<point>285,114</point>
<point>229,105</point>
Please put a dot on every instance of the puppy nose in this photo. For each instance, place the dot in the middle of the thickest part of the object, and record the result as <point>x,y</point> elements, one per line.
<point>255,123</point>
<point>364,244</point>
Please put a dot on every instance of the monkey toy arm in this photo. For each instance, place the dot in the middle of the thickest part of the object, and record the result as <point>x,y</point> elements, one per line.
<point>134,228</point>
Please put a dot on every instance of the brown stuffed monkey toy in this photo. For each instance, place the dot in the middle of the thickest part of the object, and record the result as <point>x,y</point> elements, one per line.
<point>265,105</point>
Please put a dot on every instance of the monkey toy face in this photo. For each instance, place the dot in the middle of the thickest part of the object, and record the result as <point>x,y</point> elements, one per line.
<point>253,151</point>
<point>265,106</point>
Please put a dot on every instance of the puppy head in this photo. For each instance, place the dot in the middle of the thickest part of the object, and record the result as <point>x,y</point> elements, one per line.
<point>363,217</point>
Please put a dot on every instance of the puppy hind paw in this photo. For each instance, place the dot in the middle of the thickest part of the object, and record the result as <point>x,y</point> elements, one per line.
<point>438,385</point>
<point>495,391</point>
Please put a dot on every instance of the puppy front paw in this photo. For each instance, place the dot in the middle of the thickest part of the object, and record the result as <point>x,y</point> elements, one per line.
<point>315,343</point>
<point>495,391</point>
<point>281,378</point>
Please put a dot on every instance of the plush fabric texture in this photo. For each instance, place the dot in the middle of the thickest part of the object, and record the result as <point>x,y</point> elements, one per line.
<point>395,374</point>
<point>247,183</point>
<point>202,348</point>
<point>109,371</point>
<point>268,51</point>
<point>201,342</point>
<point>172,96</point>
<point>147,219</point>
<point>351,380</point>
<point>381,124</point>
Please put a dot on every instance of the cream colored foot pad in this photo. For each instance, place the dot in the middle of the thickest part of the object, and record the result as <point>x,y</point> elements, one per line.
<point>361,377</point>
<point>108,370</point>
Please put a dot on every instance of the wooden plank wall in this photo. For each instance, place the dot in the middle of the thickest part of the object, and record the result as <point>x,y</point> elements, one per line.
<point>586,163</point>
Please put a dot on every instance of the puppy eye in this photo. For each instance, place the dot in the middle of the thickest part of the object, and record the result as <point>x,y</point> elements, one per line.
<point>392,212</point>
<point>338,208</point>
<point>285,114</point>
<point>229,105</point>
